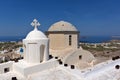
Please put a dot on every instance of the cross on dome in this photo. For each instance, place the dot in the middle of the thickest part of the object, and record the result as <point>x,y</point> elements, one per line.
<point>35,24</point>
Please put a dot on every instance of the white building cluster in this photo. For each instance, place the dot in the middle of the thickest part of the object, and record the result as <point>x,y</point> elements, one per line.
<point>37,65</point>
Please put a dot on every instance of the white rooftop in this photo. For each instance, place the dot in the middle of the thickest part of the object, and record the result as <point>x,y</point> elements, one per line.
<point>35,34</point>
<point>103,71</point>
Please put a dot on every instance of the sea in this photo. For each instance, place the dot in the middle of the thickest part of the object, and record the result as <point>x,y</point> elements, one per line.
<point>11,38</point>
<point>85,39</point>
<point>98,39</point>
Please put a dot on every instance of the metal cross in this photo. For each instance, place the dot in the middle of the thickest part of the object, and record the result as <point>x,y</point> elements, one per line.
<point>35,23</point>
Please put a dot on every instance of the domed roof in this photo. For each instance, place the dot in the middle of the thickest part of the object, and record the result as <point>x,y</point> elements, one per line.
<point>86,57</point>
<point>62,26</point>
<point>35,34</point>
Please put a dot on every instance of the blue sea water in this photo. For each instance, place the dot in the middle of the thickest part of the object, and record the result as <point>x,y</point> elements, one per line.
<point>11,38</point>
<point>97,39</point>
<point>87,39</point>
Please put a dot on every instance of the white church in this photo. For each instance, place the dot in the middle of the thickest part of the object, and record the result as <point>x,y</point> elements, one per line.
<point>37,65</point>
<point>36,54</point>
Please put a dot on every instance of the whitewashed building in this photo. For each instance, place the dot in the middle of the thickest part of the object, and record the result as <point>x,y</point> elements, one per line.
<point>36,54</point>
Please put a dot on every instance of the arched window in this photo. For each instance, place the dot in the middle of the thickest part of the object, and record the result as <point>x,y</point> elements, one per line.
<point>6,70</point>
<point>24,51</point>
<point>42,50</point>
<point>24,45</point>
<point>70,40</point>
<point>80,57</point>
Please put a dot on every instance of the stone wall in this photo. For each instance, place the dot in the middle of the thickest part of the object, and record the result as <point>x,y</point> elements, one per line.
<point>61,41</point>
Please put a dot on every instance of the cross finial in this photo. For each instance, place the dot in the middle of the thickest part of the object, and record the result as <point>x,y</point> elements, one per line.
<point>35,24</point>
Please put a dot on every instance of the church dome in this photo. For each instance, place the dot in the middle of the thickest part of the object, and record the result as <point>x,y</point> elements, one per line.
<point>62,26</point>
<point>35,34</point>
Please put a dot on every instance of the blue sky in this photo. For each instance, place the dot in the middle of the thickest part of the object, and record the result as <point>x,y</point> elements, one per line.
<point>91,17</point>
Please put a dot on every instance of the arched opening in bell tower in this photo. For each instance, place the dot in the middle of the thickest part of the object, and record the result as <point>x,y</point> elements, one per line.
<point>24,52</point>
<point>42,50</point>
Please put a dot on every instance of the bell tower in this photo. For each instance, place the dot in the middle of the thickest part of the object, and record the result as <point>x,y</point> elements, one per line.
<point>35,45</point>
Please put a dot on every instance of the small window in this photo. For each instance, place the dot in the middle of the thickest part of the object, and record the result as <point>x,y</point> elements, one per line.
<point>14,78</point>
<point>6,70</point>
<point>70,40</point>
<point>72,66</point>
<point>80,56</point>
<point>62,24</point>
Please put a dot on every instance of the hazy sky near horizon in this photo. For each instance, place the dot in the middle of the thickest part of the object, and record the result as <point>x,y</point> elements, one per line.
<point>91,17</point>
